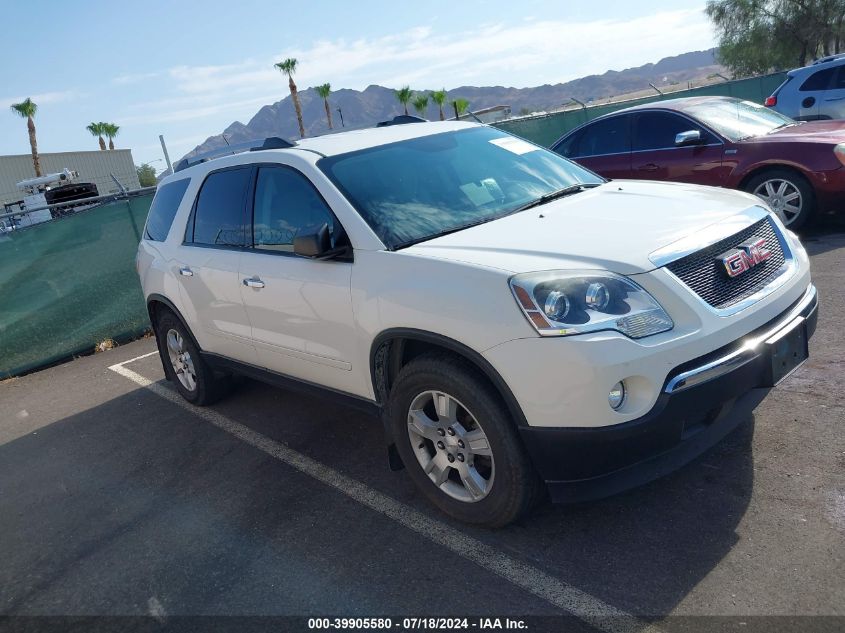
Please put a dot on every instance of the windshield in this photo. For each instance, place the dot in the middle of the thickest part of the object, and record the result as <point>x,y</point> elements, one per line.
<point>417,189</point>
<point>737,119</point>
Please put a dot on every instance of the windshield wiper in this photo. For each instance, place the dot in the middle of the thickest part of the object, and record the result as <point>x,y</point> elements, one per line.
<point>548,197</point>
<point>554,195</point>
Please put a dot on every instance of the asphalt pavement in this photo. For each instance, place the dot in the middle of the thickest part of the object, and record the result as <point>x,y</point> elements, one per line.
<point>118,499</point>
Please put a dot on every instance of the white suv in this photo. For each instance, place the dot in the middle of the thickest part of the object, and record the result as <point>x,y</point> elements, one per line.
<point>515,319</point>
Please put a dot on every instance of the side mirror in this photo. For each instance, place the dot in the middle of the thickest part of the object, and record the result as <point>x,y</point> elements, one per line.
<point>690,137</point>
<point>314,242</point>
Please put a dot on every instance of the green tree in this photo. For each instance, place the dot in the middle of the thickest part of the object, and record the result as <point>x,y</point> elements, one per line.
<point>757,36</point>
<point>110,130</point>
<point>439,97</point>
<point>146,175</point>
<point>460,106</point>
<point>288,67</point>
<point>97,130</point>
<point>27,109</point>
<point>324,91</point>
<point>403,95</point>
<point>420,104</point>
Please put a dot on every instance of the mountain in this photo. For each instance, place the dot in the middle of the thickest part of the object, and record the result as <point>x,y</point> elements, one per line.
<point>377,103</point>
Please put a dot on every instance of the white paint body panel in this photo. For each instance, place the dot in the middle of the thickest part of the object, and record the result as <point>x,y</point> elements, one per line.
<point>317,321</point>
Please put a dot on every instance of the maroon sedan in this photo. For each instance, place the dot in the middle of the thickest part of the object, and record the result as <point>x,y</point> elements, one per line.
<point>796,167</point>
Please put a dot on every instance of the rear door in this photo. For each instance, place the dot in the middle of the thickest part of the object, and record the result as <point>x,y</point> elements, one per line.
<point>207,265</point>
<point>833,104</point>
<point>604,146</point>
<point>812,93</point>
<point>655,155</point>
<point>300,308</point>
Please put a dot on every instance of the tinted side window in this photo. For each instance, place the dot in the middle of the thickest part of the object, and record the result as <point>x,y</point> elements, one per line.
<point>657,130</point>
<point>839,82</point>
<point>819,80</point>
<point>219,214</point>
<point>608,136</point>
<point>163,209</point>
<point>286,203</point>
<point>569,146</point>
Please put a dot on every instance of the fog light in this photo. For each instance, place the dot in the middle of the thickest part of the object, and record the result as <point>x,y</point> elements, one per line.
<point>617,395</point>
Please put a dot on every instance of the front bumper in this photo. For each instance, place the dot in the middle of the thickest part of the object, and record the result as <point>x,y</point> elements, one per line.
<point>701,402</point>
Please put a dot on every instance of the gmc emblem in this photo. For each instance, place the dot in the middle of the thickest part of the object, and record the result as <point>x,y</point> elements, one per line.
<point>747,255</point>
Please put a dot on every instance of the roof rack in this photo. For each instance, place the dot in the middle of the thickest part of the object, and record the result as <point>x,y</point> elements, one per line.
<point>271,142</point>
<point>401,119</point>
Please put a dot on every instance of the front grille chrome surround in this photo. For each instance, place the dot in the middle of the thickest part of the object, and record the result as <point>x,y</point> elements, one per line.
<point>704,275</point>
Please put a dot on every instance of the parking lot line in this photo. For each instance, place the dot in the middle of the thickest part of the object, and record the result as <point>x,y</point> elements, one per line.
<point>580,604</point>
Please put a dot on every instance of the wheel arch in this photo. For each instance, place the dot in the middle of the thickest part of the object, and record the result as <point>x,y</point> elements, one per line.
<point>156,302</point>
<point>392,349</point>
<point>756,170</point>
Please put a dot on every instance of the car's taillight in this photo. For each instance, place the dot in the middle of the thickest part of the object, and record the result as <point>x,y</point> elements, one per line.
<point>771,102</point>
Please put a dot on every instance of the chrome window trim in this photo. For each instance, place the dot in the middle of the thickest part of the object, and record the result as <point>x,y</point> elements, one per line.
<point>716,232</point>
<point>633,113</point>
<point>746,353</point>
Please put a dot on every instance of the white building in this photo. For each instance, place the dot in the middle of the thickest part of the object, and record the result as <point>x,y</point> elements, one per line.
<point>95,166</point>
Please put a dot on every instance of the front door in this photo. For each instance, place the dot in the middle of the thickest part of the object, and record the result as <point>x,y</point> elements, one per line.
<point>655,155</point>
<point>300,308</point>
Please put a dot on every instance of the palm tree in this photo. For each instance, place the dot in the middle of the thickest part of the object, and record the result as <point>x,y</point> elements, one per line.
<point>404,95</point>
<point>27,109</point>
<point>110,130</point>
<point>439,97</point>
<point>97,130</point>
<point>324,91</point>
<point>288,67</point>
<point>420,104</point>
<point>460,105</point>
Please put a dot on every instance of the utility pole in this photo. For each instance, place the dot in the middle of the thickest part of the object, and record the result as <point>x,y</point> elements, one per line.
<point>340,112</point>
<point>166,155</point>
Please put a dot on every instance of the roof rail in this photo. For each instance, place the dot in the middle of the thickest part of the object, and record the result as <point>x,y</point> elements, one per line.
<point>829,58</point>
<point>271,142</point>
<point>401,119</point>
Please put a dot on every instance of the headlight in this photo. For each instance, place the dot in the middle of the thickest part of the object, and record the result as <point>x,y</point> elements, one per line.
<point>561,303</point>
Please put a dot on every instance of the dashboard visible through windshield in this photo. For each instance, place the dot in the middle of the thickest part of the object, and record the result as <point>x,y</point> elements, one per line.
<point>420,188</point>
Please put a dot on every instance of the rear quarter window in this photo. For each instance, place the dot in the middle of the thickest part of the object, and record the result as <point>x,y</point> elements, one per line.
<point>819,80</point>
<point>163,209</point>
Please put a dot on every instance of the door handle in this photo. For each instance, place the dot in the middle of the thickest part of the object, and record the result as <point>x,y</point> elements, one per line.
<point>186,272</point>
<point>253,282</point>
<point>648,167</point>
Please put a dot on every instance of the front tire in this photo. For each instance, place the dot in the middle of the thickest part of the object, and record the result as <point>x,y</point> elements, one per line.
<point>459,444</point>
<point>193,378</point>
<point>788,194</point>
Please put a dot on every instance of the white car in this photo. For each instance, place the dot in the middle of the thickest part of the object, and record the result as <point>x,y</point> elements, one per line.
<point>515,319</point>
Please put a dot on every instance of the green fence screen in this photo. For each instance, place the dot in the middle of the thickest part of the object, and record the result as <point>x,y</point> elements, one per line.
<point>68,284</point>
<point>546,129</point>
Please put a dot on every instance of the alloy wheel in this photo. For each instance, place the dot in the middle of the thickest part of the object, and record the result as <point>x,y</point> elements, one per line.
<point>451,446</point>
<point>180,359</point>
<point>783,197</point>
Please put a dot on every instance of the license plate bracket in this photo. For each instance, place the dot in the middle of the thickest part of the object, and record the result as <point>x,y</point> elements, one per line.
<point>786,351</point>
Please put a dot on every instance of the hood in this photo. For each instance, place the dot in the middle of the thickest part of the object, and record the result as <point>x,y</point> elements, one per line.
<point>832,132</point>
<point>612,227</point>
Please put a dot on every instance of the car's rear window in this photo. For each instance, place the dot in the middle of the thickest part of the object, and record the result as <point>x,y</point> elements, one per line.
<point>163,209</point>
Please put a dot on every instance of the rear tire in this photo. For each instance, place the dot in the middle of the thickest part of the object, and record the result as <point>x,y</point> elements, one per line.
<point>480,473</point>
<point>183,365</point>
<point>787,192</point>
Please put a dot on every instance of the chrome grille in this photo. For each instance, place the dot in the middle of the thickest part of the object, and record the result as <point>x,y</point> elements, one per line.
<point>706,276</point>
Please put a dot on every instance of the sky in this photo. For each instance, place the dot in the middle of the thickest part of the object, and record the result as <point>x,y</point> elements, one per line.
<point>188,69</point>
